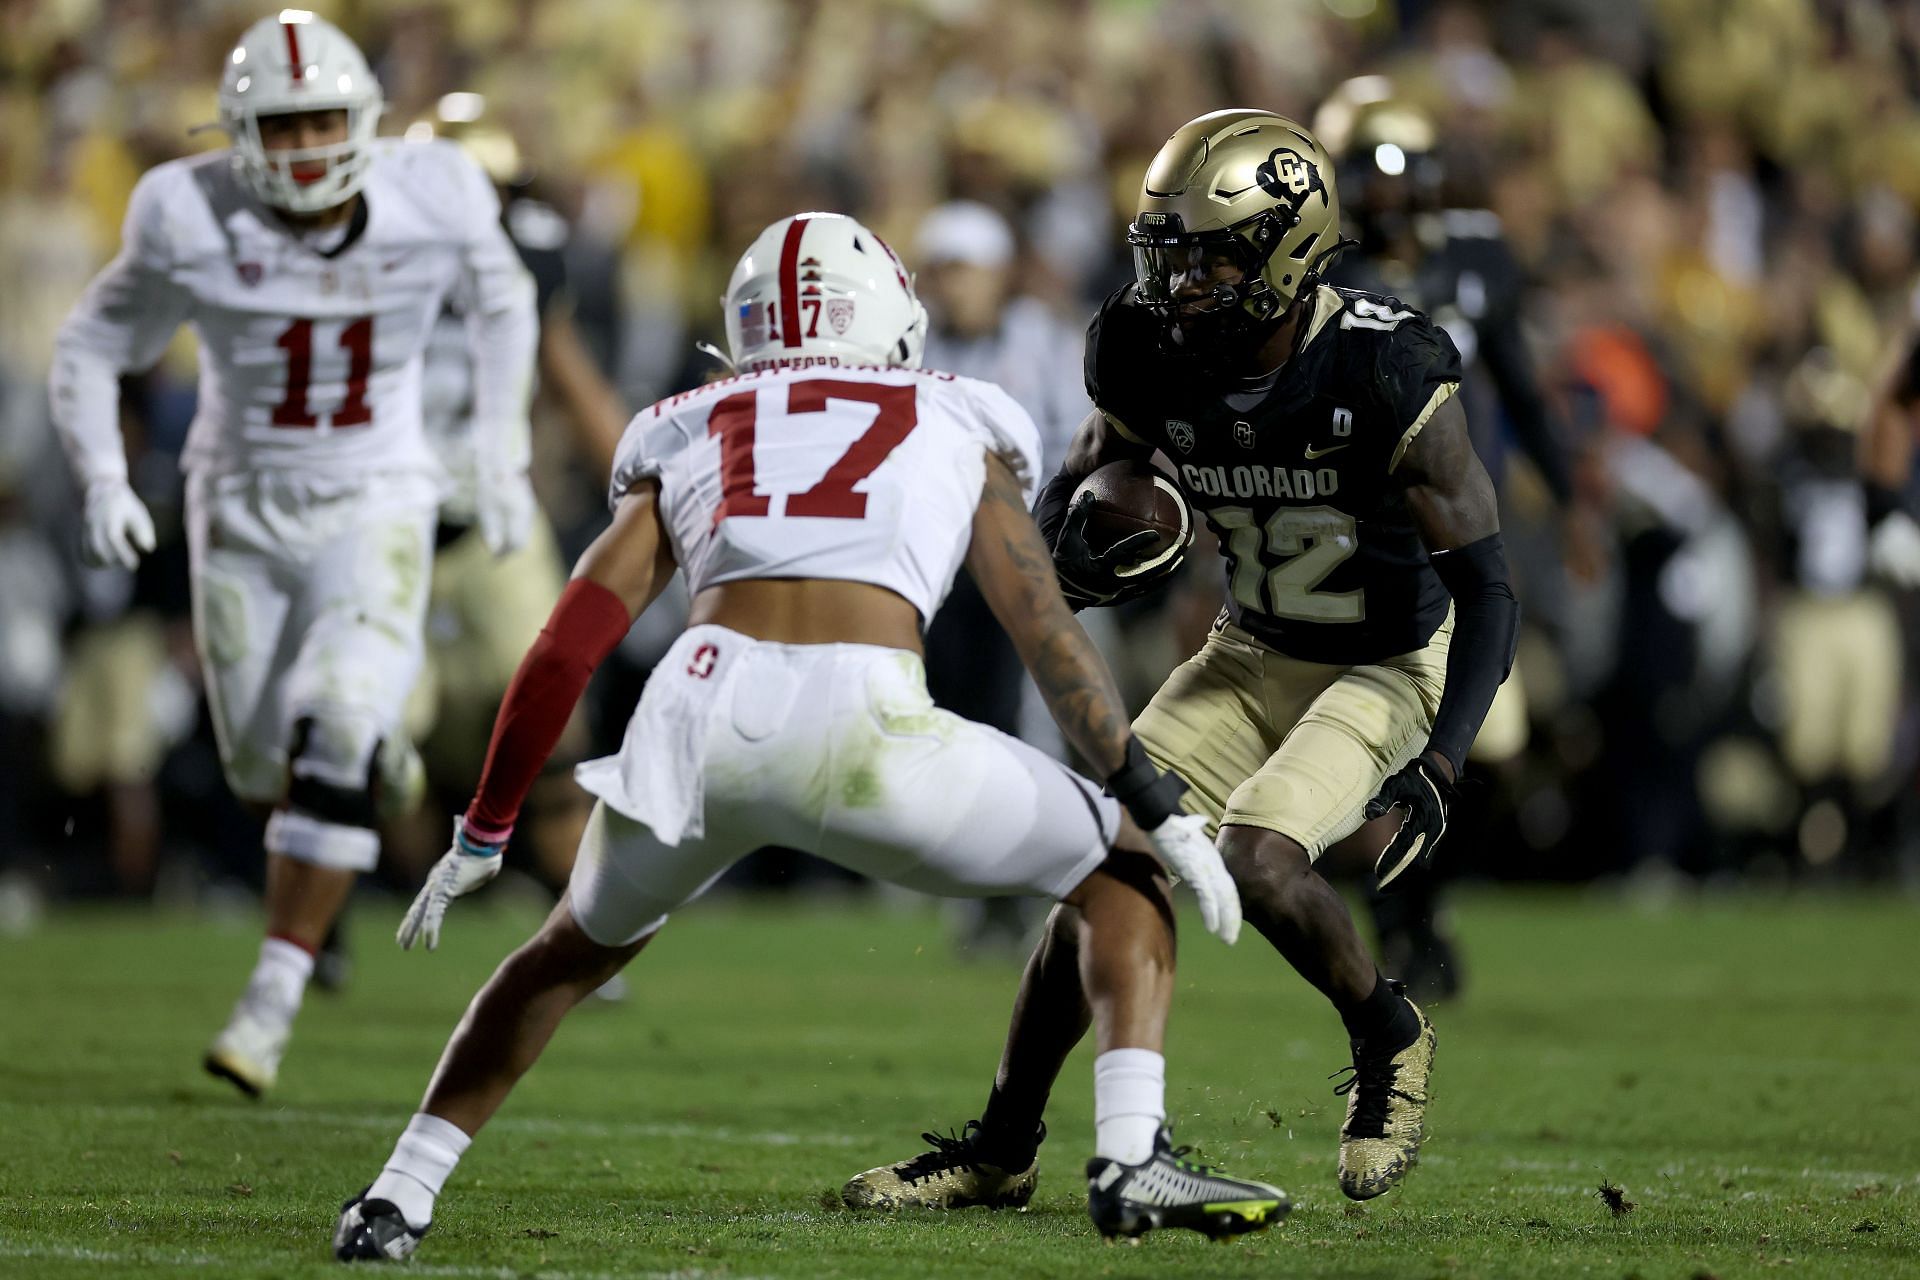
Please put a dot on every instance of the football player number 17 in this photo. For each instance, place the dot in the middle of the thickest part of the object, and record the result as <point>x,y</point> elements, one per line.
<point>1313,541</point>
<point>356,339</point>
<point>834,497</point>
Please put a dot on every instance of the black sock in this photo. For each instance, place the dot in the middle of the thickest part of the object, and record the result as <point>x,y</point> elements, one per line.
<point>1384,1020</point>
<point>1011,1130</point>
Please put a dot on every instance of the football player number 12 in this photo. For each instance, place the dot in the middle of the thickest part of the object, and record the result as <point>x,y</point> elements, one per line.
<point>356,339</point>
<point>734,420</point>
<point>1314,542</point>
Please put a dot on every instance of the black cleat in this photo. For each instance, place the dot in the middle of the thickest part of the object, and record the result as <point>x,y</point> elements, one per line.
<point>1170,1191</point>
<point>374,1231</point>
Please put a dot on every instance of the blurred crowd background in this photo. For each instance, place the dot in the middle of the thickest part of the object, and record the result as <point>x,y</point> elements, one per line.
<point>1711,202</point>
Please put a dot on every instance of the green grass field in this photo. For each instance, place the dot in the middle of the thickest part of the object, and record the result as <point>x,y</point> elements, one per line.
<point>1745,1070</point>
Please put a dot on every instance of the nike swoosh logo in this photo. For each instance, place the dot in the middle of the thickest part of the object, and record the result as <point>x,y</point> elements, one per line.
<point>1313,453</point>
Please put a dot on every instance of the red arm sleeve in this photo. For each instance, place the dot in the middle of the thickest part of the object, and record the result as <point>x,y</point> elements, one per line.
<point>583,629</point>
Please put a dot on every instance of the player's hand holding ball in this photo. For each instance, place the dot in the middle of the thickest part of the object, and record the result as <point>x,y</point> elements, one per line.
<point>118,529</point>
<point>504,507</point>
<point>1152,799</point>
<point>1424,790</point>
<point>469,864</point>
<point>1127,530</point>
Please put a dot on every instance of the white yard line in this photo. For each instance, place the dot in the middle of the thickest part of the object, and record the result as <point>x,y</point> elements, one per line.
<point>512,1124</point>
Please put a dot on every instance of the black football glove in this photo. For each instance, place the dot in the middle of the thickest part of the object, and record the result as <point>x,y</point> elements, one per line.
<point>1089,578</point>
<point>1422,792</point>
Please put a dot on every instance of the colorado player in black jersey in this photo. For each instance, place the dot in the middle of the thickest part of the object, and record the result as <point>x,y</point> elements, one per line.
<point>1369,619</point>
<point>1423,238</point>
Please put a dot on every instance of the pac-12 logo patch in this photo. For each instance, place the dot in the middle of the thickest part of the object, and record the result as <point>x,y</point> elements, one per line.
<point>839,313</point>
<point>1181,433</point>
<point>249,273</point>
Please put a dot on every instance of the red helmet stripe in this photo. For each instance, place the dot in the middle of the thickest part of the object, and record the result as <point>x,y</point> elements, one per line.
<point>790,283</point>
<point>899,268</point>
<point>293,53</point>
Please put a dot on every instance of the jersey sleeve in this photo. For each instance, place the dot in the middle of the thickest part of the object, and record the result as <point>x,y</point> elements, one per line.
<point>1417,371</point>
<point>503,328</point>
<point>1115,361</point>
<point>121,324</point>
<point>1008,432</point>
<point>652,440</point>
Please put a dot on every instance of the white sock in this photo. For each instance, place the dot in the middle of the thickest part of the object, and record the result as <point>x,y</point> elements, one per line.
<point>1129,1103</point>
<point>421,1162</point>
<point>279,980</point>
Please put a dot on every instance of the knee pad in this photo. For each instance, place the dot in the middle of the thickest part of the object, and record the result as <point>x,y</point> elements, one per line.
<point>331,808</point>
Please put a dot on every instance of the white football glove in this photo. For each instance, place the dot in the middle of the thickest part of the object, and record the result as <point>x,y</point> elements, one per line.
<point>461,869</point>
<point>1183,846</point>
<point>1893,551</point>
<point>504,507</point>
<point>118,528</point>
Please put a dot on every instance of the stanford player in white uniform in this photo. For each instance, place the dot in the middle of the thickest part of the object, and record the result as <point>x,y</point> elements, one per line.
<point>820,503</point>
<point>312,262</point>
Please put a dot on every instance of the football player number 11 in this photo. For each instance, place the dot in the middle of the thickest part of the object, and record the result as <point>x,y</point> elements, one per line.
<point>834,497</point>
<point>356,339</point>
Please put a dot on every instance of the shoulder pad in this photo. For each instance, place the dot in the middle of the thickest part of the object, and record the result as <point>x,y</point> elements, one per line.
<point>1120,340</point>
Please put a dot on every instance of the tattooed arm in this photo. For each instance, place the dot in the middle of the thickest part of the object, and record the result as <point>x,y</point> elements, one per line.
<point>1014,571</point>
<point>1010,564</point>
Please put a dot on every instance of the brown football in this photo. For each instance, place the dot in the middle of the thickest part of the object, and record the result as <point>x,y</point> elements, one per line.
<point>1134,495</point>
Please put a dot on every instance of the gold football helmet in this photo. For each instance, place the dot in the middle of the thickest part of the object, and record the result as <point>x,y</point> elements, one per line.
<point>1366,116</point>
<point>1248,191</point>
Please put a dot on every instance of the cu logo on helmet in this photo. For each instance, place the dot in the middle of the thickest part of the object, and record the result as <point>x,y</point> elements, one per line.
<point>1287,175</point>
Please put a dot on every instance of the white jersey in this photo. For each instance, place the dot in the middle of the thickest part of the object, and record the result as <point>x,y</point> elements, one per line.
<point>860,473</point>
<point>310,358</point>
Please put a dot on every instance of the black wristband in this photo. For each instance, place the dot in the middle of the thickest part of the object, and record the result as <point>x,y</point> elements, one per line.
<point>1150,796</point>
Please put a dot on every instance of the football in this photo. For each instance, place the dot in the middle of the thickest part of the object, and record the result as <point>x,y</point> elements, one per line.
<point>1132,496</point>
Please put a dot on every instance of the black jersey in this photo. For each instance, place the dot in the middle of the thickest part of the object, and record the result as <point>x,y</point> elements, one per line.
<point>1294,471</point>
<point>1470,284</point>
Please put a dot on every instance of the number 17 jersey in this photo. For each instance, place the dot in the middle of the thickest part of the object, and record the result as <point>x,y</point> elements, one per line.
<point>1294,472</point>
<point>851,472</point>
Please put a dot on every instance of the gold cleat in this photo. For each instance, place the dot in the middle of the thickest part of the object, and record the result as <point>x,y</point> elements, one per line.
<point>1386,1114</point>
<point>957,1173</point>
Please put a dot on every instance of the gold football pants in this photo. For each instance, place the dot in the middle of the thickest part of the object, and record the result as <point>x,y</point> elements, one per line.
<point>1264,740</point>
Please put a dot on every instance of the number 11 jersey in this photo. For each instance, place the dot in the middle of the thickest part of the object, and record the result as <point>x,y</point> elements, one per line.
<point>310,346</point>
<point>851,472</point>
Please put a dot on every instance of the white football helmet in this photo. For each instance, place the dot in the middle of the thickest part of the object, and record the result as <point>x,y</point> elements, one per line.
<point>297,62</point>
<point>820,284</point>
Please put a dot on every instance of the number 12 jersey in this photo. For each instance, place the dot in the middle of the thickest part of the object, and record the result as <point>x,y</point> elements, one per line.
<point>1294,471</point>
